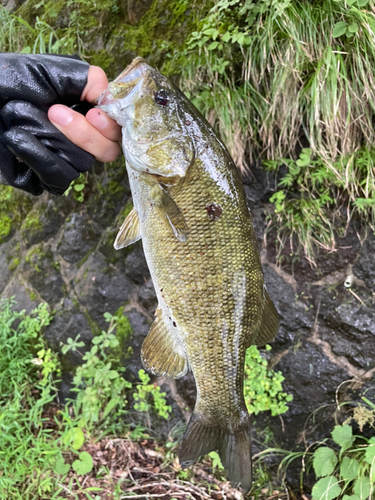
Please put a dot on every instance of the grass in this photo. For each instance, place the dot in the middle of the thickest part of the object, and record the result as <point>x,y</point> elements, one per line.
<point>89,445</point>
<point>276,79</point>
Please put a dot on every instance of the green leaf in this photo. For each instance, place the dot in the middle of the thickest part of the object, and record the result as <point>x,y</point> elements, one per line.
<point>213,45</point>
<point>370,454</point>
<point>362,3</point>
<point>339,29</point>
<point>210,31</point>
<point>324,461</point>
<point>294,169</point>
<point>78,187</point>
<point>343,436</point>
<point>307,151</point>
<point>84,465</point>
<point>351,497</point>
<point>362,488</point>
<point>349,469</point>
<point>74,438</point>
<point>61,467</point>
<point>226,37</point>
<point>216,462</point>
<point>353,28</point>
<point>326,489</point>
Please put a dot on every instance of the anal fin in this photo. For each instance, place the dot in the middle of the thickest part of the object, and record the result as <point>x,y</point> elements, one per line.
<point>129,232</point>
<point>163,352</point>
<point>270,322</point>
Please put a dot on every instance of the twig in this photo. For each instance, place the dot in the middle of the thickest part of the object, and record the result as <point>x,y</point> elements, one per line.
<point>356,296</point>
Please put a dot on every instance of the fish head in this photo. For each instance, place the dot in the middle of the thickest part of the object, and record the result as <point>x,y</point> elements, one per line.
<point>150,111</point>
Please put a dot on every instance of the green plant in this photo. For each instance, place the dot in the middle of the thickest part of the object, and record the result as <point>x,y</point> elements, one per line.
<point>26,450</point>
<point>101,390</point>
<point>145,391</point>
<point>269,73</point>
<point>307,217</point>
<point>39,37</point>
<point>5,202</point>
<point>347,470</point>
<point>263,387</point>
<point>76,187</point>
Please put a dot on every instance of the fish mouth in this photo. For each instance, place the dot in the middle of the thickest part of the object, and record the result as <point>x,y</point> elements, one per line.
<point>124,83</point>
<point>136,68</point>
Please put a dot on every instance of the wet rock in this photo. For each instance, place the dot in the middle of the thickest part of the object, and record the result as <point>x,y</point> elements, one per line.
<point>5,257</point>
<point>365,267</point>
<point>312,379</point>
<point>136,9</point>
<point>65,387</point>
<point>23,294</point>
<point>295,314</point>
<point>69,322</point>
<point>136,268</point>
<point>349,328</point>
<point>259,185</point>
<point>147,296</point>
<point>140,327</point>
<point>101,288</point>
<point>42,272</point>
<point>79,237</point>
<point>42,223</point>
<point>187,389</point>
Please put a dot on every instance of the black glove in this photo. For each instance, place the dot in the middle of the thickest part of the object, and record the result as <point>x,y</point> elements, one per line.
<point>35,155</point>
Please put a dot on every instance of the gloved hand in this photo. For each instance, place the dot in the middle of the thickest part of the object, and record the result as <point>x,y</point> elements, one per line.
<point>34,154</point>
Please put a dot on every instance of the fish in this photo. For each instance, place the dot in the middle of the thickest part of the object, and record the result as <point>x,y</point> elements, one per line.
<point>199,242</point>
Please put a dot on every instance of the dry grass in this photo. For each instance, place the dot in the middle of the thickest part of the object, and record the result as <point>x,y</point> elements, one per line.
<point>126,469</point>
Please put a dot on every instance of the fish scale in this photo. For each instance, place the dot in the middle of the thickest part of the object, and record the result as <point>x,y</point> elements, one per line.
<point>199,242</point>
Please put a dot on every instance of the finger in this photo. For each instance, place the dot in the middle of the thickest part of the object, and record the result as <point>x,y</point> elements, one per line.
<point>78,130</point>
<point>107,127</point>
<point>96,82</point>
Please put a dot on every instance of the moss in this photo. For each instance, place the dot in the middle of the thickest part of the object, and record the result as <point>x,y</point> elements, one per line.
<point>14,264</point>
<point>35,255</point>
<point>56,265</point>
<point>32,223</point>
<point>125,212</point>
<point>13,208</point>
<point>115,188</point>
<point>5,227</point>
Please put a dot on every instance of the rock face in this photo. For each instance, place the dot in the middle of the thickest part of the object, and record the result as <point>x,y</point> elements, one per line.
<point>327,331</point>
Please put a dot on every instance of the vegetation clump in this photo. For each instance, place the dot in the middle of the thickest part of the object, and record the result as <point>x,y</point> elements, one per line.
<point>290,82</point>
<point>276,79</point>
<point>37,435</point>
<point>347,469</point>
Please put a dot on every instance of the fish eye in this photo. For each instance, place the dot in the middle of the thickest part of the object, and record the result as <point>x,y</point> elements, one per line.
<point>161,97</point>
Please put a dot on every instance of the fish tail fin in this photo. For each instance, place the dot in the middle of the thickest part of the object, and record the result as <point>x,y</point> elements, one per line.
<point>234,447</point>
<point>235,454</point>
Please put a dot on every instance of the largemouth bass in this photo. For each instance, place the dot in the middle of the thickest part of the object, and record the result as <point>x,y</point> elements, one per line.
<point>200,246</point>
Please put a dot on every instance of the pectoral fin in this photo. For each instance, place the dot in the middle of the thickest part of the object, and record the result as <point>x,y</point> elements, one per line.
<point>163,352</point>
<point>270,322</point>
<point>129,232</point>
<point>170,212</point>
